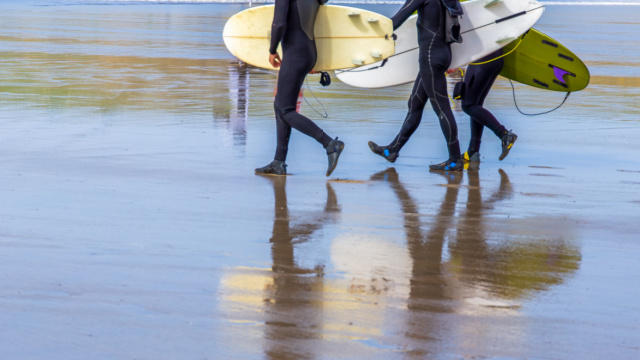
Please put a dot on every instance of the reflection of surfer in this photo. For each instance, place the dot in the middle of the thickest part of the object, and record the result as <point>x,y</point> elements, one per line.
<point>477,82</point>
<point>425,248</point>
<point>293,303</point>
<point>428,278</point>
<point>514,268</point>
<point>293,24</point>
<point>470,247</point>
<point>232,108</point>
<point>239,84</point>
<point>284,235</point>
<point>479,265</point>
<point>434,59</point>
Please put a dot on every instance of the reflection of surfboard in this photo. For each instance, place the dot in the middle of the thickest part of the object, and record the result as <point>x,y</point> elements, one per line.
<point>345,37</point>
<point>486,26</point>
<point>543,62</point>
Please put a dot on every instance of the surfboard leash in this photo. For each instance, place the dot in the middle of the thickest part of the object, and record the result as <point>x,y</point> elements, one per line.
<point>384,62</point>
<point>501,56</point>
<point>314,95</point>
<point>513,89</point>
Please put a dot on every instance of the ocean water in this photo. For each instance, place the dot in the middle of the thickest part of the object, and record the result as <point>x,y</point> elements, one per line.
<point>111,55</point>
<point>363,2</point>
<point>548,2</point>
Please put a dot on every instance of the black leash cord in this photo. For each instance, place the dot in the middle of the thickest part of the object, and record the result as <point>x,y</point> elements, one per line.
<point>542,113</point>
<point>314,95</point>
<point>355,69</point>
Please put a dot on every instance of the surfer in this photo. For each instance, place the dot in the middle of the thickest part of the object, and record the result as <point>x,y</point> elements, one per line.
<point>434,39</point>
<point>292,26</point>
<point>477,82</point>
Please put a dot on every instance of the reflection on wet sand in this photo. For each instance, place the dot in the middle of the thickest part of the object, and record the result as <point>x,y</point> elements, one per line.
<point>293,304</point>
<point>285,236</point>
<point>110,83</point>
<point>508,265</point>
<point>291,294</point>
<point>624,81</point>
<point>462,260</point>
<point>425,248</point>
<point>515,268</point>
<point>232,109</point>
<point>477,271</point>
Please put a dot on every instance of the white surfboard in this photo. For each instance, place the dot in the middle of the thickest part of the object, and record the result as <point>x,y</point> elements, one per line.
<point>486,26</point>
<point>345,37</point>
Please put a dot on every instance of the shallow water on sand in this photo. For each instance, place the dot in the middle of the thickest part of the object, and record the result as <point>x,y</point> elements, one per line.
<point>133,225</point>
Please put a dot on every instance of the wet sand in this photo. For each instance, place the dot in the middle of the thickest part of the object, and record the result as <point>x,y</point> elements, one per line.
<point>133,226</point>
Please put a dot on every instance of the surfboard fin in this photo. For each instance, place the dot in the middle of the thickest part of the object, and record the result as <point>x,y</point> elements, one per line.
<point>354,13</point>
<point>372,20</point>
<point>358,62</point>
<point>375,53</point>
<point>560,73</point>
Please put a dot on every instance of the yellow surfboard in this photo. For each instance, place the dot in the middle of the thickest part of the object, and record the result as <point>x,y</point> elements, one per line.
<point>345,37</point>
<point>541,61</point>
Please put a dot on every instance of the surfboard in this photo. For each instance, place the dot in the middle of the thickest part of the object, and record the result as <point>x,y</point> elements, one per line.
<point>345,37</point>
<point>542,62</point>
<point>486,26</point>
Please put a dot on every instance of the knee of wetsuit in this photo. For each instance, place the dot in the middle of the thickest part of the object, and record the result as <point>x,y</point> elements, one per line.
<point>279,112</point>
<point>466,107</point>
<point>283,111</point>
<point>415,103</point>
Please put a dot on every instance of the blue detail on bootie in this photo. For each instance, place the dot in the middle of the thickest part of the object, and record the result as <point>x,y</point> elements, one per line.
<point>386,152</point>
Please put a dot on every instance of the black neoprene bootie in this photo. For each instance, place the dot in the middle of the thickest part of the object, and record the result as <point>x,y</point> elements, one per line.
<point>470,156</point>
<point>383,151</point>
<point>334,149</point>
<point>508,140</point>
<point>276,167</point>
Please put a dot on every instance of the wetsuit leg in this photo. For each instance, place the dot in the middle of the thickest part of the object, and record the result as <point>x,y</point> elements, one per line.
<point>416,103</point>
<point>290,82</point>
<point>299,57</point>
<point>283,133</point>
<point>434,59</point>
<point>478,81</point>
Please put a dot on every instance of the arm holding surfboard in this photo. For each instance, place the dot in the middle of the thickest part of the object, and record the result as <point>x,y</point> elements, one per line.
<point>408,9</point>
<point>293,21</point>
<point>434,58</point>
<point>486,27</point>
<point>274,60</point>
<point>277,31</point>
<point>278,25</point>
<point>345,37</point>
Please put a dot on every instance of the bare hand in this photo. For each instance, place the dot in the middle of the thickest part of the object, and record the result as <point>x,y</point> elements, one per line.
<point>451,71</point>
<point>274,60</point>
<point>313,72</point>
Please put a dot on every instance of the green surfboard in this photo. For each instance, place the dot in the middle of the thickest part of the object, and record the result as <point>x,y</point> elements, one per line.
<point>542,62</point>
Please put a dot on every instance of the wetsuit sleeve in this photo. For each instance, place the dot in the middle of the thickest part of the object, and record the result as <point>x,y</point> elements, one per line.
<point>279,24</point>
<point>405,11</point>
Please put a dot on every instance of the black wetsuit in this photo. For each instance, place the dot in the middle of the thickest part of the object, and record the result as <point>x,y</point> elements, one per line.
<point>298,58</point>
<point>431,83</point>
<point>478,81</point>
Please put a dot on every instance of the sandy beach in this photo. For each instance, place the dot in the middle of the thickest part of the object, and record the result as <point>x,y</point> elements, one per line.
<point>133,226</point>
